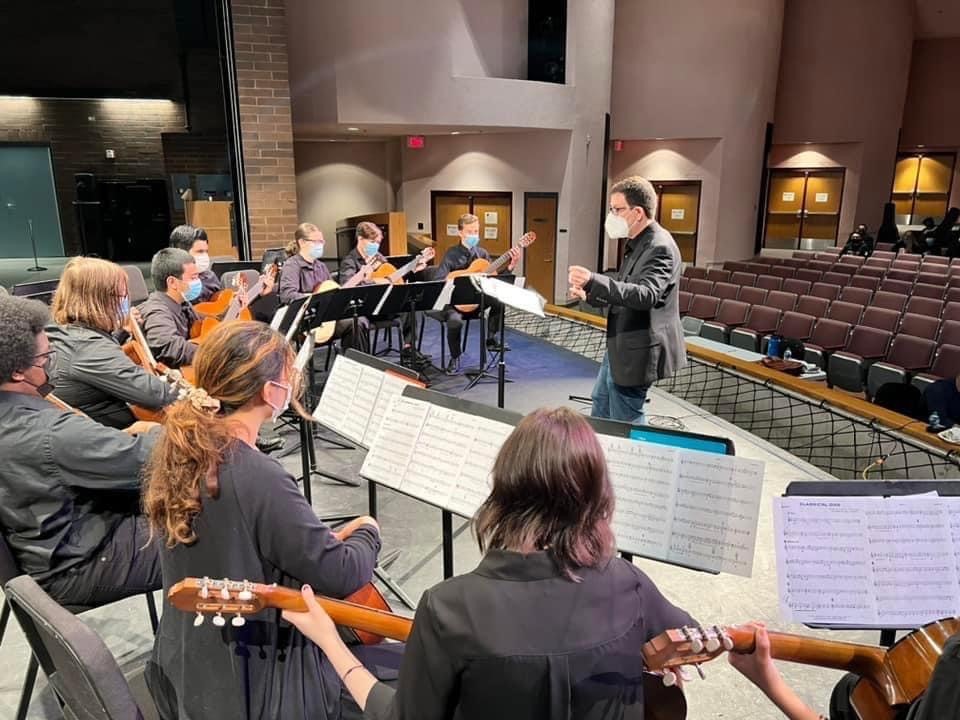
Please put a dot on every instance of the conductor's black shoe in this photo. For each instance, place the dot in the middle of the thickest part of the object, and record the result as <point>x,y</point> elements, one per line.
<point>269,445</point>
<point>453,366</point>
<point>493,345</point>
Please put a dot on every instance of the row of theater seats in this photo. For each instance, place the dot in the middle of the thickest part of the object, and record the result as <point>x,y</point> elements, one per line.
<point>866,322</point>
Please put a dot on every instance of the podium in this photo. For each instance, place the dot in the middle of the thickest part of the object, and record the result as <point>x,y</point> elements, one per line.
<point>216,217</point>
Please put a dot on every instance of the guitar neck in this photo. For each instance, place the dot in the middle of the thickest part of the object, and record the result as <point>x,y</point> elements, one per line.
<point>403,271</point>
<point>864,660</point>
<point>141,340</point>
<point>499,263</point>
<point>233,312</point>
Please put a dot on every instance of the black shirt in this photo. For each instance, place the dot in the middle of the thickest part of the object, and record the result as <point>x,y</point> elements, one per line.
<point>459,257</point>
<point>260,528</point>
<point>166,326</point>
<point>350,265</point>
<point>516,640</point>
<point>211,285</point>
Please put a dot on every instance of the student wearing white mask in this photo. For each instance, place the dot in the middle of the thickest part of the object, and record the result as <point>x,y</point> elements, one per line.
<point>194,241</point>
<point>644,336</point>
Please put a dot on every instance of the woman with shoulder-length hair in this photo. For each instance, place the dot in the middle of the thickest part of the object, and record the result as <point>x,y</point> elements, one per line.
<point>222,509</point>
<point>549,625</point>
<point>91,308</point>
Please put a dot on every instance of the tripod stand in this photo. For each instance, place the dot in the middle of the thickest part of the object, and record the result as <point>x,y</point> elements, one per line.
<point>481,372</point>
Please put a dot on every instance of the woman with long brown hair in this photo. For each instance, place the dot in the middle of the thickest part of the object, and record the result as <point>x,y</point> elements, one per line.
<point>549,625</point>
<point>222,509</point>
<point>91,310</point>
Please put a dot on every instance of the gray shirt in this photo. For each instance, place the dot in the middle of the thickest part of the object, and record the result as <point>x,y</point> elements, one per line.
<point>211,285</point>
<point>166,326</point>
<point>94,375</point>
<point>298,277</point>
<point>59,482</point>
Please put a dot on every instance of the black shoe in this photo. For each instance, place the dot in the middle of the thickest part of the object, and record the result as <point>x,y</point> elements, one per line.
<point>269,445</point>
<point>493,345</point>
<point>453,366</point>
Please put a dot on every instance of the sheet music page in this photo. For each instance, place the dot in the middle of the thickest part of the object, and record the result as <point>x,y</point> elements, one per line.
<point>357,416</point>
<point>337,397</point>
<point>824,574</point>
<point>716,511</point>
<point>278,317</point>
<point>390,453</point>
<point>952,505</point>
<point>391,387</point>
<point>444,298</point>
<point>644,478</point>
<point>914,561</point>
<point>472,483</point>
<point>515,297</point>
<point>438,455</point>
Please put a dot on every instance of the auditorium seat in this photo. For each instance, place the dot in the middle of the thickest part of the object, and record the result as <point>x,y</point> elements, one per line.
<point>781,300</point>
<point>828,337</point>
<point>757,268</point>
<point>921,326</point>
<point>732,314</point>
<point>763,321</point>
<point>684,299</point>
<point>928,291</point>
<point>845,311</point>
<point>883,252</point>
<point>889,300</point>
<point>854,294</point>
<point>952,295</point>
<point>935,260</point>
<point>833,278</point>
<point>871,272</point>
<point>901,263</point>
<point>924,306</point>
<point>932,279</point>
<point>725,290</point>
<point>797,286</point>
<point>796,326</point>
<point>949,333</point>
<point>813,306</point>
<point>851,260</point>
<point>908,355</point>
<point>684,283</point>
<point>704,307</point>
<point>875,262</point>
<point>847,368</point>
<point>810,275</point>
<point>951,311</point>
<point>752,295</point>
<point>692,272</point>
<point>865,281</point>
<point>699,286</point>
<point>845,270</point>
<point>908,276</point>
<point>718,275</point>
<point>825,257</point>
<point>795,263</point>
<point>743,278</point>
<point>825,290</point>
<point>734,266</point>
<point>946,364</point>
<point>820,265</point>
<point>954,280</point>
<point>769,282</point>
<point>900,287</point>
<point>881,318</point>
<point>782,271</point>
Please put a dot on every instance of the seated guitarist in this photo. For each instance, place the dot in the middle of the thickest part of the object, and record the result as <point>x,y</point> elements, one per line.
<point>194,241</point>
<point>369,238</point>
<point>304,270</point>
<point>168,314</point>
<point>459,257</point>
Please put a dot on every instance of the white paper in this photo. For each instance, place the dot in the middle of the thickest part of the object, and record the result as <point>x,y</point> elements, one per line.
<point>337,397</point>
<point>490,233</point>
<point>453,230</point>
<point>511,295</point>
<point>472,483</point>
<point>789,196</point>
<point>677,213</point>
<point>353,424</point>
<point>389,456</point>
<point>391,387</point>
<point>490,217</point>
<point>278,317</point>
<point>443,299</point>
<point>821,197</point>
<point>437,456</point>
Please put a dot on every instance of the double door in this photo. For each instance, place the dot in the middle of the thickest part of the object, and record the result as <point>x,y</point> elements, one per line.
<point>803,209</point>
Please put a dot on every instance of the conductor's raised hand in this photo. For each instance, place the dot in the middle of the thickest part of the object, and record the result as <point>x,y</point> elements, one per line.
<point>578,276</point>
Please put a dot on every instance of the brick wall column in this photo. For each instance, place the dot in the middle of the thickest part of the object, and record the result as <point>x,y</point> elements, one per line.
<point>260,44</point>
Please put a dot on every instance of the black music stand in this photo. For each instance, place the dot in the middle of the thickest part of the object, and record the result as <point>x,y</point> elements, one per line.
<point>349,304</point>
<point>411,297</point>
<point>480,373</point>
<point>879,488</point>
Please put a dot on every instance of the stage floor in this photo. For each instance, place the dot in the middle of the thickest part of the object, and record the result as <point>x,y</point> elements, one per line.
<point>543,375</point>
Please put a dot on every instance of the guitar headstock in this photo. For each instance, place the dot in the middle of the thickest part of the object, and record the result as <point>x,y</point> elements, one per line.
<point>685,646</point>
<point>205,596</point>
<point>527,239</point>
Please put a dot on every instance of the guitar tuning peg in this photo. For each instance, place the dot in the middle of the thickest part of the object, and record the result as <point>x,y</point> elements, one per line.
<point>204,592</point>
<point>669,678</point>
<point>224,593</point>
<point>727,642</point>
<point>219,620</point>
<point>245,595</point>
<point>712,644</point>
<point>685,674</point>
<point>700,671</point>
<point>238,621</point>
<point>696,644</point>
<point>198,620</point>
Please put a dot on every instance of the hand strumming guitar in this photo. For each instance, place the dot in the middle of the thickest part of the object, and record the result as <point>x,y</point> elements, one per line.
<point>268,280</point>
<point>351,527</point>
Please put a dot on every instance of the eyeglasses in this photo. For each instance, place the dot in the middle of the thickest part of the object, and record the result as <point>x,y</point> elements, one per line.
<point>48,359</point>
<point>617,211</point>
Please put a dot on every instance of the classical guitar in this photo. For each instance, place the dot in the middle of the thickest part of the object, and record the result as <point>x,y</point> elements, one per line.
<point>366,612</point>
<point>139,352</point>
<point>50,397</point>
<point>324,333</point>
<point>890,678</point>
<point>229,304</point>
<point>480,266</point>
<point>387,272</point>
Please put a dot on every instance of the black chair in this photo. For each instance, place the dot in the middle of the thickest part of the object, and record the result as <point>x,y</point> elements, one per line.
<point>83,673</point>
<point>9,570</point>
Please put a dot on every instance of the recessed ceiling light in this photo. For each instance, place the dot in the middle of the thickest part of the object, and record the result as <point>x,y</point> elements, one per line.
<point>920,146</point>
<point>658,138</point>
<point>454,132</point>
<point>353,129</point>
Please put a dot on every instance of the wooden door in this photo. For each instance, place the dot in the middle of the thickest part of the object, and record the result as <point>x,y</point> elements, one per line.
<point>539,263</point>
<point>447,209</point>
<point>784,209</point>
<point>821,209</point>
<point>678,211</point>
<point>496,222</point>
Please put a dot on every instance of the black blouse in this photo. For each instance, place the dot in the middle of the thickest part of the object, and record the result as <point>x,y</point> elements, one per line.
<point>516,640</point>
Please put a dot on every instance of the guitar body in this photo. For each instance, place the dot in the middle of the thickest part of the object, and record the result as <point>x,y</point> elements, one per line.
<point>478,266</point>
<point>217,304</point>
<point>869,702</point>
<point>324,333</point>
<point>384,271</point>
<point>368,596</point>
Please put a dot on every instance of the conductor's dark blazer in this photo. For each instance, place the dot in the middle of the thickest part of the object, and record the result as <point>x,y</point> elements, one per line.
<point>644,336</point>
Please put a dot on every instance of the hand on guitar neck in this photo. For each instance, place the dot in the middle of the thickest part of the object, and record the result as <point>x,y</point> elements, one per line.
<point>352,526</point>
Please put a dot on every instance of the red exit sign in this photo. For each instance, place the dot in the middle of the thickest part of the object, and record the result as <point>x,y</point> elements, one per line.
<point>416,142</point>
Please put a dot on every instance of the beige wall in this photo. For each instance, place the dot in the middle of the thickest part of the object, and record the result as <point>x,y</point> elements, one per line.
<point>677,160</point>
<point>846,155</point>
<point>843,78</point>
<point>336,180</point>
<point>490,38</point>
<point>694,70</point>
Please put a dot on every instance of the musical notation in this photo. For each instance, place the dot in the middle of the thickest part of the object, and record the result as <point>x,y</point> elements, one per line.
<point>392,450</point>
<point>889,562</point>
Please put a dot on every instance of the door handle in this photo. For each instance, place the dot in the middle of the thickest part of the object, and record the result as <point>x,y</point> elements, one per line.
<point>550,259</point>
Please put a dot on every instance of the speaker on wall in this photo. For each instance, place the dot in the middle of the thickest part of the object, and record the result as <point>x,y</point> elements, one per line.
<point>86,185</point>
<point>547,40</point>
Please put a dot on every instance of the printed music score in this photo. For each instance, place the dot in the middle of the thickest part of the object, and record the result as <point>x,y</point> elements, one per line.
<point>868,562</point>
<point>683,506</point>
<point>356,397</point>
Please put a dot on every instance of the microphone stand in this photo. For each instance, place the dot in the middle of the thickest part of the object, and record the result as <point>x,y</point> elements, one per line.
<point>33,242</point>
